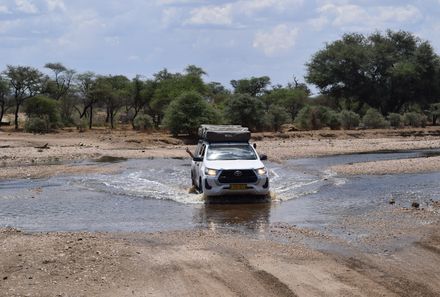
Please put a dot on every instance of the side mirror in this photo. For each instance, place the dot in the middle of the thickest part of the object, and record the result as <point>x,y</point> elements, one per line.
<point>255,145</point>
<point>263,157</point>
<point>198,159</point>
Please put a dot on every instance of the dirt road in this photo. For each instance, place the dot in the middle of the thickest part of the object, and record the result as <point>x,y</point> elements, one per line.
<point>206,263</point>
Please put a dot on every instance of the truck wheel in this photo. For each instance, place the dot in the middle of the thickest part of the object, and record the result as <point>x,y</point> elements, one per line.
<point>200,186</point>
<point>193,183</point>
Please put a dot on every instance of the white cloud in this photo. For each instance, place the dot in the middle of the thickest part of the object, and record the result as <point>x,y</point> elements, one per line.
<point>278,40</point>
<point>83,31</point>
<point>251,6</point>
<point>26,6</point>
<point>318,23</point>
<point>344,14</point>
<point>225,14</point>
<point>399,14</point>
<point>56,4</point>
<point>211,15</point>
<point>4,9</point>
<point>177,2</point>
<point>369,18</point>
<point>169,15</point>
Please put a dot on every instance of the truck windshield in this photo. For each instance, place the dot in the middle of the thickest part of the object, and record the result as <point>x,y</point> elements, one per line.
<point>230,152</point>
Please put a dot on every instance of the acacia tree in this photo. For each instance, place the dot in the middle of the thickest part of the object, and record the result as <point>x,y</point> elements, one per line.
<point>254,86</point>
<point>169,87</point>
<point>62,80</point>
<point>25,82</point>
<point>385,71</point>
<point>4,97</point>
<point>141,94</point>
<point>87,96</point>
<point>113,91</point>
<point>61,88</point>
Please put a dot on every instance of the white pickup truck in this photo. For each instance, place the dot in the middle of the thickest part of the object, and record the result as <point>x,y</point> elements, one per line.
<point>225,163</point>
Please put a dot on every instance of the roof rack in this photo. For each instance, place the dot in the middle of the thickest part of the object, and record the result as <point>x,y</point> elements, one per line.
<point>224,133</point>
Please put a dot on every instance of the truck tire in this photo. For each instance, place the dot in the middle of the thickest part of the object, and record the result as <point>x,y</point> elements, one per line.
<point>200,187</point>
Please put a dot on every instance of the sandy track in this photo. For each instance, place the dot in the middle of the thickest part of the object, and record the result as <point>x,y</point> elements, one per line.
<point>205,263</point>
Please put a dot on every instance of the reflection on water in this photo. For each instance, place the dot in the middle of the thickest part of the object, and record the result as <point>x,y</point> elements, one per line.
<point>249,217</point>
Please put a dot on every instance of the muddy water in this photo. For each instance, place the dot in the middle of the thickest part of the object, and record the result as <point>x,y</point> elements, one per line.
<point>153,195</point>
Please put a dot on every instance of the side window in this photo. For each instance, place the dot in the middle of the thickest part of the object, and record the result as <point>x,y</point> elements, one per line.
<point>202,150</point>
<point>198,148</point>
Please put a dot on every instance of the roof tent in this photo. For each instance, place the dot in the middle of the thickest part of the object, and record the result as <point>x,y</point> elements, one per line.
<point>224,133</point>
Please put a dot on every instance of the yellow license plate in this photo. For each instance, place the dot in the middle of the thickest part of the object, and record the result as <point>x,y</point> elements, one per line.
<point>238,187</point>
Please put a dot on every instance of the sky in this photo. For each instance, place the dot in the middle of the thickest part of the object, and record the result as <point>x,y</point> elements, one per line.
<point>228,39</point>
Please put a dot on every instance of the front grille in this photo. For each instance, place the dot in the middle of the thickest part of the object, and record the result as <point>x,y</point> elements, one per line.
<point>237,177</point>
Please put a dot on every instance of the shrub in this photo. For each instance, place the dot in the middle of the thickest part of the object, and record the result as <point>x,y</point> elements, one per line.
<point>188,112</point>
<point>143,122</point>
<point>37,125</point>
<point>395,120</point>
<point>275,117</point>
<point>44,108</point>
<point>333,120</point>
<point>245,110</point>
<point>414,119</point>
<point>312,117</point>
<point>349,119</point>
<point>373,119</point>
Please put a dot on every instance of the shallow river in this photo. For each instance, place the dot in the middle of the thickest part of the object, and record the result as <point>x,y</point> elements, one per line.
<point>153,195</point>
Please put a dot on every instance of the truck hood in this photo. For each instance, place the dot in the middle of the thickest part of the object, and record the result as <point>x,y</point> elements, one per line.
<point>234,164</point>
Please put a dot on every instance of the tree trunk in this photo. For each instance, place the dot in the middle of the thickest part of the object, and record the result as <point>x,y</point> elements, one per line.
<point>84,112</point>
<point>91,117</point>
<point>2,111</point>
<point>111,119</point>
<point>107,117</point>
<point>17,109</point>
<point>136,111</point>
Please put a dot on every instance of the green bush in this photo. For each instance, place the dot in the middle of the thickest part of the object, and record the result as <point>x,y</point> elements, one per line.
<point>276,117</point>
<point>188,112</point>
<point>395,120</point>
<point>349,119</point>
<point>312,117</point>
<point>373,119</point>
<point>37,125</point>
<point>333,120</point>
<point>143,122</point>
<point>44,108</point>
<point>245,110</point>
<point>414,119</point>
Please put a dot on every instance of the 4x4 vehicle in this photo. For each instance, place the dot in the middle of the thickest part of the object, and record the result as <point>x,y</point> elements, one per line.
<point>225,163</point>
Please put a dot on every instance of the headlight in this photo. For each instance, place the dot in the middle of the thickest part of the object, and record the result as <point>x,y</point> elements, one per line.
<point>210,172</point>
<point>261,171</point>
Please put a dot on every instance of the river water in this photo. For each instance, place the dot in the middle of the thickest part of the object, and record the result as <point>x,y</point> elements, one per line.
<point>153,195</point>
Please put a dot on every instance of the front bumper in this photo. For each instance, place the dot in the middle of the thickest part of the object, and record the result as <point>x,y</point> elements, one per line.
<point>212,187</point>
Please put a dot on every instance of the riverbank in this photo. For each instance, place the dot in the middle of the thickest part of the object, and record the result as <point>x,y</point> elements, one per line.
<point>25,155</point>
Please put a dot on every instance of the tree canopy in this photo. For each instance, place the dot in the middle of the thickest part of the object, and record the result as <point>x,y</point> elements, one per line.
<point>385,71</point>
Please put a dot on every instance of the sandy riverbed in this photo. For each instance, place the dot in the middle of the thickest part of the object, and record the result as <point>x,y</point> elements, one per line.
<point>397,258</point>
<point>20,156</point>
<point>210,263</point>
